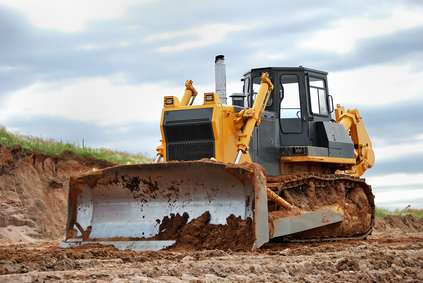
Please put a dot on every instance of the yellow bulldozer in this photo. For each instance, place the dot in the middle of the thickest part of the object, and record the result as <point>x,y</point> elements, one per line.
<point>275,162</point>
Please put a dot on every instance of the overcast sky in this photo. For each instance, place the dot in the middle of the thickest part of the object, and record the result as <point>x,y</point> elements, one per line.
<point>98,70</point>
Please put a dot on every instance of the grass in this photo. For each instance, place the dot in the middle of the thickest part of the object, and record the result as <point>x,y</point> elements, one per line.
<point>382,212</point>
<point>50,146</point>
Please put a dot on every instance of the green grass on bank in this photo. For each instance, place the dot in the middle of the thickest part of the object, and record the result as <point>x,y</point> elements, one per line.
<point>50,146</point>
<point>382,212</point>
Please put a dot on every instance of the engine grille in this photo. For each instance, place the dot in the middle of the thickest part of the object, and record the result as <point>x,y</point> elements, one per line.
<point>189,132</point>
<point>190,151</point>
<point>189,141</point>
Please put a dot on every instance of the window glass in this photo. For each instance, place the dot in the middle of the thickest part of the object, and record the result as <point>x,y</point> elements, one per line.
<point>318,96</point>
<point>247,90</point>
<point>323,108</point>
<point>317,82</point>
<point>290,103</point>
<point>314,99</point>
<point>256,88</point>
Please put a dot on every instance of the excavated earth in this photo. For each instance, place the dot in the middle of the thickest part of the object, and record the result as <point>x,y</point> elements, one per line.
<point>33,209</point>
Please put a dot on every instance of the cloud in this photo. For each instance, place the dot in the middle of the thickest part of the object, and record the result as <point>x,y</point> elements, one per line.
<point>99,70</point>
<point>397,180</point>
<point>91,99</point>
<point>398,164</point>
<point>70,15</point>
<point>399,199</point>
<point>347,31</point>
<point>90,47</point>
<point>119,44</point>
<point>204,36</point>
<point>5,68</point>
<point>377,85</point>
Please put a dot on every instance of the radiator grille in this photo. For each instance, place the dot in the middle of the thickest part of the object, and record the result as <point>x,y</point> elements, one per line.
<point>190,150</point>
<point>189,141</point>
<point>189,132</point>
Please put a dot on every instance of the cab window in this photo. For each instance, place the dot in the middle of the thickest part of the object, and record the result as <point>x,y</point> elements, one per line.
<point>318,99</point>
<point>290,100</point>
<point>256,88</point>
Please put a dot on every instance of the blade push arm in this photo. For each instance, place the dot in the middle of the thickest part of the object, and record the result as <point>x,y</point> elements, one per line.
<point>189,92</point>
<point>252,115</point>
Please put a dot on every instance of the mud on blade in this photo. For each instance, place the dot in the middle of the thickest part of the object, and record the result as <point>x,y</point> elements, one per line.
<point>133,206</point>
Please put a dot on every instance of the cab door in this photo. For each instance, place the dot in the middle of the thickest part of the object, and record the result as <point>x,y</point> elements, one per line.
<point>290,104</point>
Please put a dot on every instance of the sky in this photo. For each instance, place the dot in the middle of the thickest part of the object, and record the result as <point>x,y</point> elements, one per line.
<point>98,70</point>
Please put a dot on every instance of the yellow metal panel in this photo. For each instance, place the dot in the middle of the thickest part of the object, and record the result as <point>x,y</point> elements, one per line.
<point>226,135</point>
<point>163,140</point>
<point>217,131</point>
<point>231,136</point>
<point>321,159</point>
<point>224,129</point>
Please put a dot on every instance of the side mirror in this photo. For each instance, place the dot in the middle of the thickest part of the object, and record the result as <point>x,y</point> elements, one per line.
<point>331,108</point>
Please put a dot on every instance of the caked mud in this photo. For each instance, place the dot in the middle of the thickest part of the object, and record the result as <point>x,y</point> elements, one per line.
<point>350,196</point>
<point>235,235</point>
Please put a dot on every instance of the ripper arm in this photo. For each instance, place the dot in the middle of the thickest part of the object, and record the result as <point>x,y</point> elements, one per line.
<point>363,151</point>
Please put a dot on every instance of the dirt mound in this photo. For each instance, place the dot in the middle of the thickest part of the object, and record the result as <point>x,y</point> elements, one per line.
<point>407,223</point>
<point>34,192</point>
<point>236,235</point>
<point>198,234</point>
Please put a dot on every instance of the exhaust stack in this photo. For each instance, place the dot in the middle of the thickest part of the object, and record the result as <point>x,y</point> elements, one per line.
<point>220,77</point>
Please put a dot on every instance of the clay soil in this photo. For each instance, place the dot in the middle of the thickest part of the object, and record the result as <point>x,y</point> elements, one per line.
<point>33,208</point>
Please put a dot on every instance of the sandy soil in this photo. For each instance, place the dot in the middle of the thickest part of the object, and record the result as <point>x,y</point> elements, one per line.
<point>385,257</point>
<point>33,208</point>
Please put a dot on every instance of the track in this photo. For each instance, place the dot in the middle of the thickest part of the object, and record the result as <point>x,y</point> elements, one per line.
<point>310,192</point>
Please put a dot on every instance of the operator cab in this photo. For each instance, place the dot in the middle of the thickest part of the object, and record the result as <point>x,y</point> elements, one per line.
<point>297,117</point>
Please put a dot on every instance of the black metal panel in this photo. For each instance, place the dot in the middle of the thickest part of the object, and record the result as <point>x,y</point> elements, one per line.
<point>188,116</point>
<point>334,137</point>
<point>264,146</point>
<point>291,126</point>
<point>189,134</point>
<point>190,150</point>
<point>304,151</point>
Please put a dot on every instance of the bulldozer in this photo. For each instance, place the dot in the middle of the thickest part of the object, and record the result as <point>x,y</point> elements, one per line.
<point>273,166</point>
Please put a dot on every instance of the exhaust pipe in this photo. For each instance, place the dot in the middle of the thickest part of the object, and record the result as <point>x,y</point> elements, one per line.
<point>220,77</point>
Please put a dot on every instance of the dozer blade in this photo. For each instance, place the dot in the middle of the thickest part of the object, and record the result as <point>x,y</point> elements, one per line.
<point>130,206</point>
